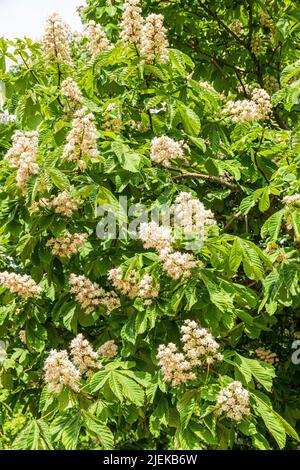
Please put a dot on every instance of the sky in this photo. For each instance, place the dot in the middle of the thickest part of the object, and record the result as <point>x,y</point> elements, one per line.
<point>20,18</point>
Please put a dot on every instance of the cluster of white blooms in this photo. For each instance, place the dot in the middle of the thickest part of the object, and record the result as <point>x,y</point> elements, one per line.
<point>83,355</point>
<point>81,140</point>
<point>108,350</point>
<point>40,204</point>
<point>67,245</point>
<point>164,149</point>
<point>236,26</point>
<point>154,236</point>
<point>234,401</point>
<point>97,40</point>
<point>70,90</point>
<point>177,264</point>
<point>22,336</point>
<point>174,365</point>
<point>191,215</point>
<point>263,102</point>
<point>22,155</point>
<point>258,45</point>
<point>56,40</point>
<point>60,372</point>
<point>207,86</point>
<point>154,43</point>
<point>267,355</point>
<point>199,344</point>
<point>7,118</point>
<point>132,21</point>
<point>129,285</point>
<point>258,108</point>
<point>90,295</point>
<point>63,204</point>
<point>22,285</point>
<point>294,199</point>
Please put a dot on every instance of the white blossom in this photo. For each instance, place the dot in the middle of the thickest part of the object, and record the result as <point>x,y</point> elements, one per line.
<point>90,295</point>
<point>97,40</point>
<point>22,285</point>
<point>56,40</point>
<point>60,372</point>
<point>81,141</point>
<point>233,401</point>
<point>154,44</point>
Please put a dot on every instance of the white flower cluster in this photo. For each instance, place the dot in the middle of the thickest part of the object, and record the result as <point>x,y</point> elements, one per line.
<point>263,102</point>
<point>129,285</point>
<point>66,245</point>
<point>256,109</point>
<point>70,90</point>
<point>177,264</point>
<point>83,355</point>
<point>191,215</point>
<point>22,285</point>
<point>267,356</point>
<point>56,40</point>
<point>7,118</point>
<point>63,204</point>
<point>132,21</point>
<point>164,149</point>
<point>60,372</point>
<point>174,365</point>
<point>81,140</point>
<point>90,295</point>
<point>200,349</point>
<point>207,86</point>
<point>22,155</point>
<point>199,344</point>
<point>97,40</point>
<point>154,44</point>
<point>234,401</point>
<point>108,350</point>
<point>148,36</point>
<point>294,199</point>
<point>155,236</point>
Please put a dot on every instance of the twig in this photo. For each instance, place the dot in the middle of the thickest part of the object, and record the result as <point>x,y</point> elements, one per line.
<point>215,179</point>
<point>230,221</point>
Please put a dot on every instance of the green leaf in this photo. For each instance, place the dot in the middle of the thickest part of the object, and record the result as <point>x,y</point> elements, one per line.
<point>59,179</point>
<point>99,430</point>
<point>270,419</point>
<point>190,120</point>
<point>36,335</point>
<point>66,427</point>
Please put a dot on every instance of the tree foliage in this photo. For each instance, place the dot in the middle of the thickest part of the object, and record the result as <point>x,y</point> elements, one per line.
<point>244,288</point>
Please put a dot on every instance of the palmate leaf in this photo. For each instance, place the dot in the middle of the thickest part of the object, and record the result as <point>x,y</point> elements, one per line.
<point>186,406</point>
<point>66,427</point>
<point>273,424</point>
<point>59,179</point>
<point>272,225</point>
<point>35,436</point>
<point>123,384</point>
<point>263,373</point>
<point>96,428</point>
